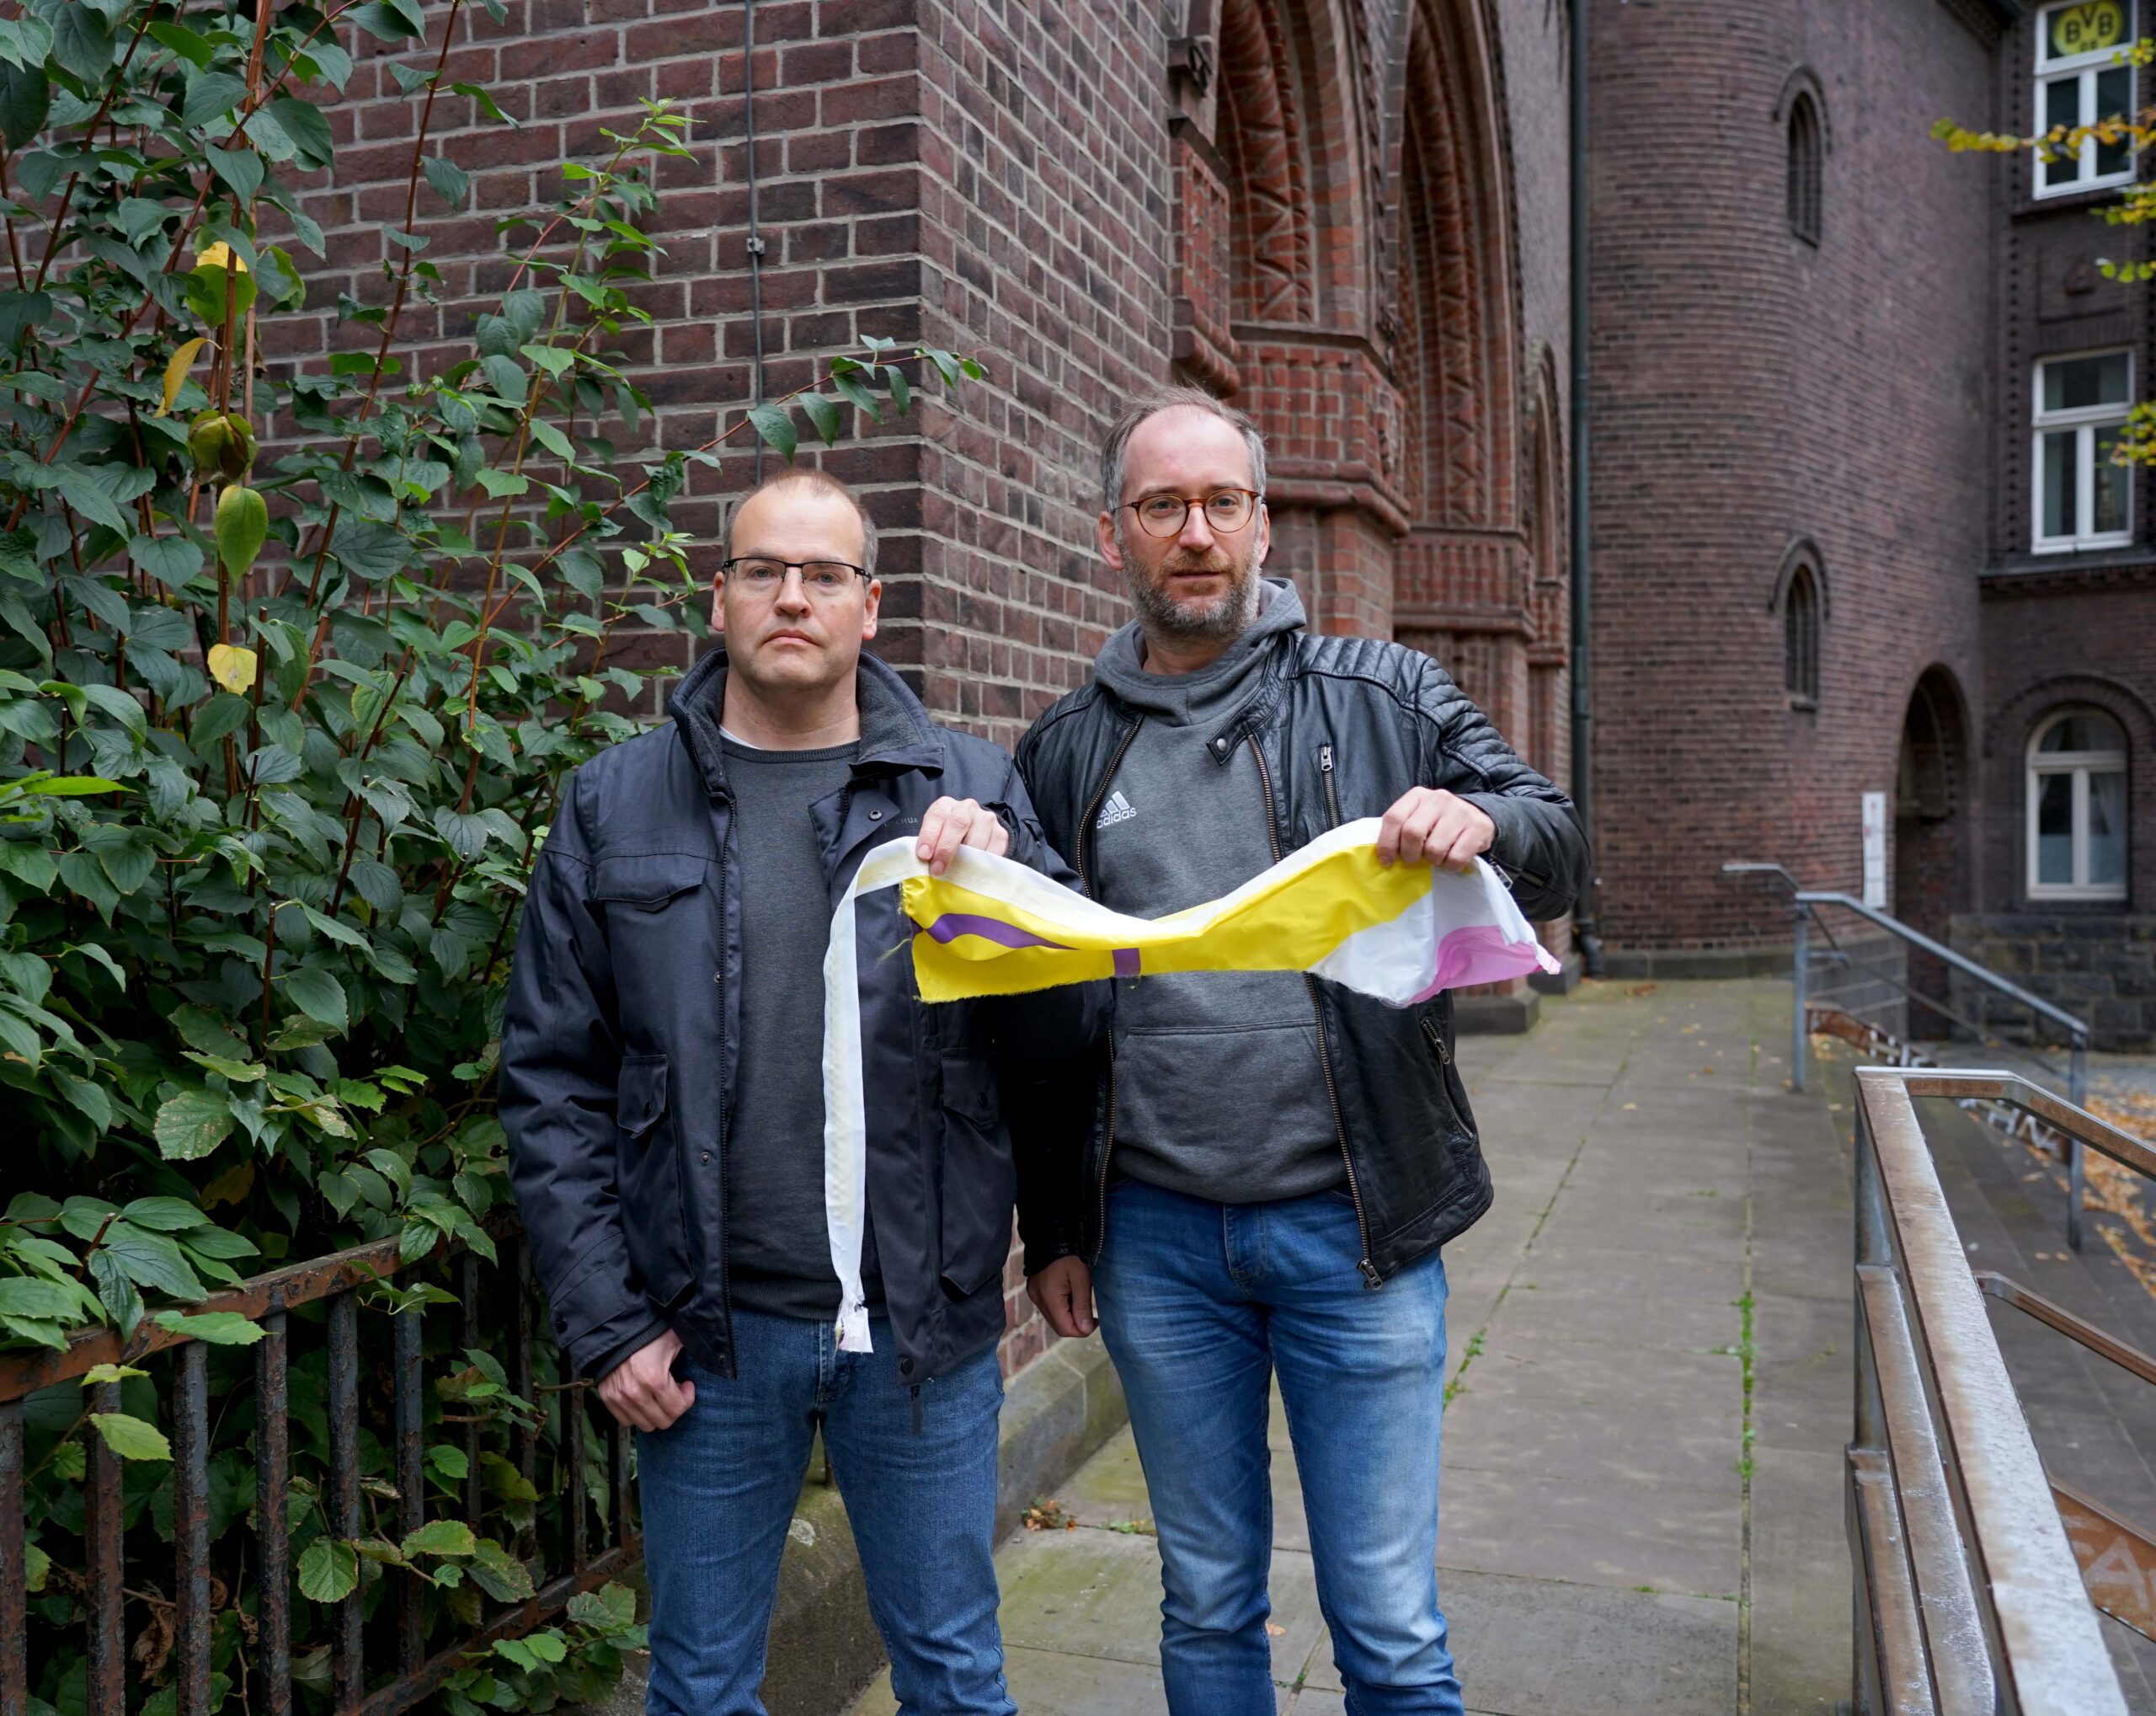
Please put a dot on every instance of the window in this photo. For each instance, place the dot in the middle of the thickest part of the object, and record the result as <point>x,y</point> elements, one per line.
<point>1806,168</point>
<point>2083,500</point>
<point>2077,808</point>
<point>2081,81</point>
<point>1800,637</point>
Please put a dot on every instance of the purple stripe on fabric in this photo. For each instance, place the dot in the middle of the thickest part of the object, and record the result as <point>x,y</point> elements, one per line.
<point>1478,953</point>
<point>1126,962</point>
<point>953,924</point>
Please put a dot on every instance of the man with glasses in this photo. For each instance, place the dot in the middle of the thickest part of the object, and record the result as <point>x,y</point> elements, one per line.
<point>1271,1162</point>
<point>662,1088</point>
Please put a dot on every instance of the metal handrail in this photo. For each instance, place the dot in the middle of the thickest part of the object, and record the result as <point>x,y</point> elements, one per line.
<point>1969,1596</point>
<point>2079,1032</point>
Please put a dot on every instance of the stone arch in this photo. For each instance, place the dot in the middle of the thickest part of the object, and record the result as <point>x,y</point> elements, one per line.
<point>1457,357</point>
<point>1803,553</point>
<point>1467,563</point>
<point>1260,134</point>
<point>1932,813</point>
<point>1547,592</point>
<point>2006,734</point>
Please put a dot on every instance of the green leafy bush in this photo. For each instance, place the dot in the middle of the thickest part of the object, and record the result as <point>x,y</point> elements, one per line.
<point>293,662</point>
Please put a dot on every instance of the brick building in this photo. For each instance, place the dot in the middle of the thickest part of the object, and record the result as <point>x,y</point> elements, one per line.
<point>1351,218</point>
<point>1856,529</point>
<point>1829,555</point>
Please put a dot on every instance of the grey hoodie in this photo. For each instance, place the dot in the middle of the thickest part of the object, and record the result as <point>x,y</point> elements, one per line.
<point>1219,1092</point>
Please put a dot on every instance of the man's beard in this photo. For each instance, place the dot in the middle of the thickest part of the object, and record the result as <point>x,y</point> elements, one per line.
<point>1220,620</point>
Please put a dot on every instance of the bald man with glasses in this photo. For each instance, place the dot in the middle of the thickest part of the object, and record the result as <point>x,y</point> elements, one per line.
<point>662,1088</point>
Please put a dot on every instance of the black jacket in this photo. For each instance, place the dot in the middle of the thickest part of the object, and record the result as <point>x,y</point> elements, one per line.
<point>1343,727</point>
<point>620,1038</point>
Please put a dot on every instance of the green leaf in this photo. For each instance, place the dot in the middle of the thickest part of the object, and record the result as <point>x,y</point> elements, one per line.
<point>549,1647</point>
<point>189,1126</point>
<point>130,1437</point>
<point>776,425</point>
<point>31,1296</point>
<point>449,181</point>
<point>314,149</point>
<point>901,393</point>
<point>25,97</point>
<point>218,1327</point>
<point>164,1215</point>
<point>81,42</point>
<point>499,1573</point>
<point>329,1570</point>
<point>193,49</point>
<point>174,561</point>
<point>441,1537</point>
<point>499,484</point>
<point>242,522</point>
<point>478,93</point>
<point>151,1260</point>
<point>822,416</point>
<point>450,1462</point>
<point>318,994</point>
<point>210,95</point>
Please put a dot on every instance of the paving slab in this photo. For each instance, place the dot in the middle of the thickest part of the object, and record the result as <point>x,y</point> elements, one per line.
<point>1622,1530</point>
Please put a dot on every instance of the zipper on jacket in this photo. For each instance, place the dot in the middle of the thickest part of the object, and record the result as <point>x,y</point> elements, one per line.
<point>1325,768</point>
<point>1086,881</point>
<point>1371,1278</point>
<point>725,1274</point>
<point>1437,1041</point>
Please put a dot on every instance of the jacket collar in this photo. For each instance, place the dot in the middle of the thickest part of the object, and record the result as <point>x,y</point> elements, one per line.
<point>896,734</point>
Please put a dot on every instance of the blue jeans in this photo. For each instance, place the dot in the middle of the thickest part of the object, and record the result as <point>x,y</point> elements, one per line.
<point>1200,1303</point>
<point>720,1484</point>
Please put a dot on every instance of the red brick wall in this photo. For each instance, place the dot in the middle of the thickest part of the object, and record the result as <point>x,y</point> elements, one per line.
<point>1027,184</point>
<point>1750,389</point>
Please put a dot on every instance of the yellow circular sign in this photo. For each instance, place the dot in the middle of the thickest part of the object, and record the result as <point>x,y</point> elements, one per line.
<point>2086,28</point>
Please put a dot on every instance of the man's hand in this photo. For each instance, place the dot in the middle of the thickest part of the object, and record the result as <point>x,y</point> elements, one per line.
<point>1435,828</point>
<point>1064,1292</point>
<point>643,1390</point>
<point>951,823</point>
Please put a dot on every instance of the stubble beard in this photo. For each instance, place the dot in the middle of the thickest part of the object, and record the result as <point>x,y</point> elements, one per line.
<point>1221,620</point>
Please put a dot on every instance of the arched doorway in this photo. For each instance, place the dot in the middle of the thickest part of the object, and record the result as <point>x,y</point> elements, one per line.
<point>1931,821</point>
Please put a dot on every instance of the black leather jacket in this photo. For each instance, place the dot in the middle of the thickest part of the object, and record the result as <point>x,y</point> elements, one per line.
<point>1343,727</point>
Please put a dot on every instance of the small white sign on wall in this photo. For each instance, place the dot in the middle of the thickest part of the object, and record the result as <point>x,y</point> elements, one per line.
<point>1874,850</point>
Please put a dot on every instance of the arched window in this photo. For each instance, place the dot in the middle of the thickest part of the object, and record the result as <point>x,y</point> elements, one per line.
<point>1806,167</point>
<point>1800,606</point>
<point>2077,807</point>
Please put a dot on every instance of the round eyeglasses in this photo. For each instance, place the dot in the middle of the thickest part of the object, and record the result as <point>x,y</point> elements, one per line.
<point>826,580</point>
<point>1227,510</point>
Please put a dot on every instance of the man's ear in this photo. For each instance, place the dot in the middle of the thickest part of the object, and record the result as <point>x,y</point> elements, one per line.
<point>868,612</point>
<point>718,603</point>
<point>1264,536</point>
<point>1111,549</point>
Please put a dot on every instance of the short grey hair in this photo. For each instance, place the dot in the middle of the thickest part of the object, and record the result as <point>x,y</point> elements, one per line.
<point>1118,445</point>
<point>823,482</point>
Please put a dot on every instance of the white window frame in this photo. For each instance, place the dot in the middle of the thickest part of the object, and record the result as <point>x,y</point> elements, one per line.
<point>2084,68</point>
<point>2086,421</point>
<point>2080,765</point>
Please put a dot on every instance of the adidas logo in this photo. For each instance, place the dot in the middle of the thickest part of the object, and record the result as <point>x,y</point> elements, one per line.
<point>1116,809</point>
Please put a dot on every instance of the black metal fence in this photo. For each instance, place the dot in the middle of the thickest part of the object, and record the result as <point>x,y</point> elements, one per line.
<point>562,1562</point>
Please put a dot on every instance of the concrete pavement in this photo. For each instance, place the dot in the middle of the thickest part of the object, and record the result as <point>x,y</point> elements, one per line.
<point>1649,1365</point>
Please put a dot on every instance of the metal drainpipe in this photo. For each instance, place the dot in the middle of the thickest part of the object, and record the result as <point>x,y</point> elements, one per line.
<point>1584,915</point>
<point>756,237</point>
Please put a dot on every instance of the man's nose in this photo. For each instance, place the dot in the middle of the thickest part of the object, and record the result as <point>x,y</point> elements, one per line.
<point>1196,533</point>
<point>793,590</point>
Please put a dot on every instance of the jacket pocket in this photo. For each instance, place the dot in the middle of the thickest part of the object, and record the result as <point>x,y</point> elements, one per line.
<point>979,1178</point>
<point>648,1170</point>
<point>646,882</point>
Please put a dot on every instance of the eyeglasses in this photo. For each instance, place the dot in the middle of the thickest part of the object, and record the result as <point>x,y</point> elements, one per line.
<point>825,580</point>
<point>1227,510</point>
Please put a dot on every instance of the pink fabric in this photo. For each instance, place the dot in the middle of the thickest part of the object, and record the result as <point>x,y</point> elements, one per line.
<point>1478,953</point>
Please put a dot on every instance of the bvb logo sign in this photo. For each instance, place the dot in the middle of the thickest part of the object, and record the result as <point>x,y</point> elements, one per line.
<point>2088,28</point>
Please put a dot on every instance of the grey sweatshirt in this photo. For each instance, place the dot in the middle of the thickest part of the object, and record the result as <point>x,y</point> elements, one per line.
<point>1219,1091</point>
